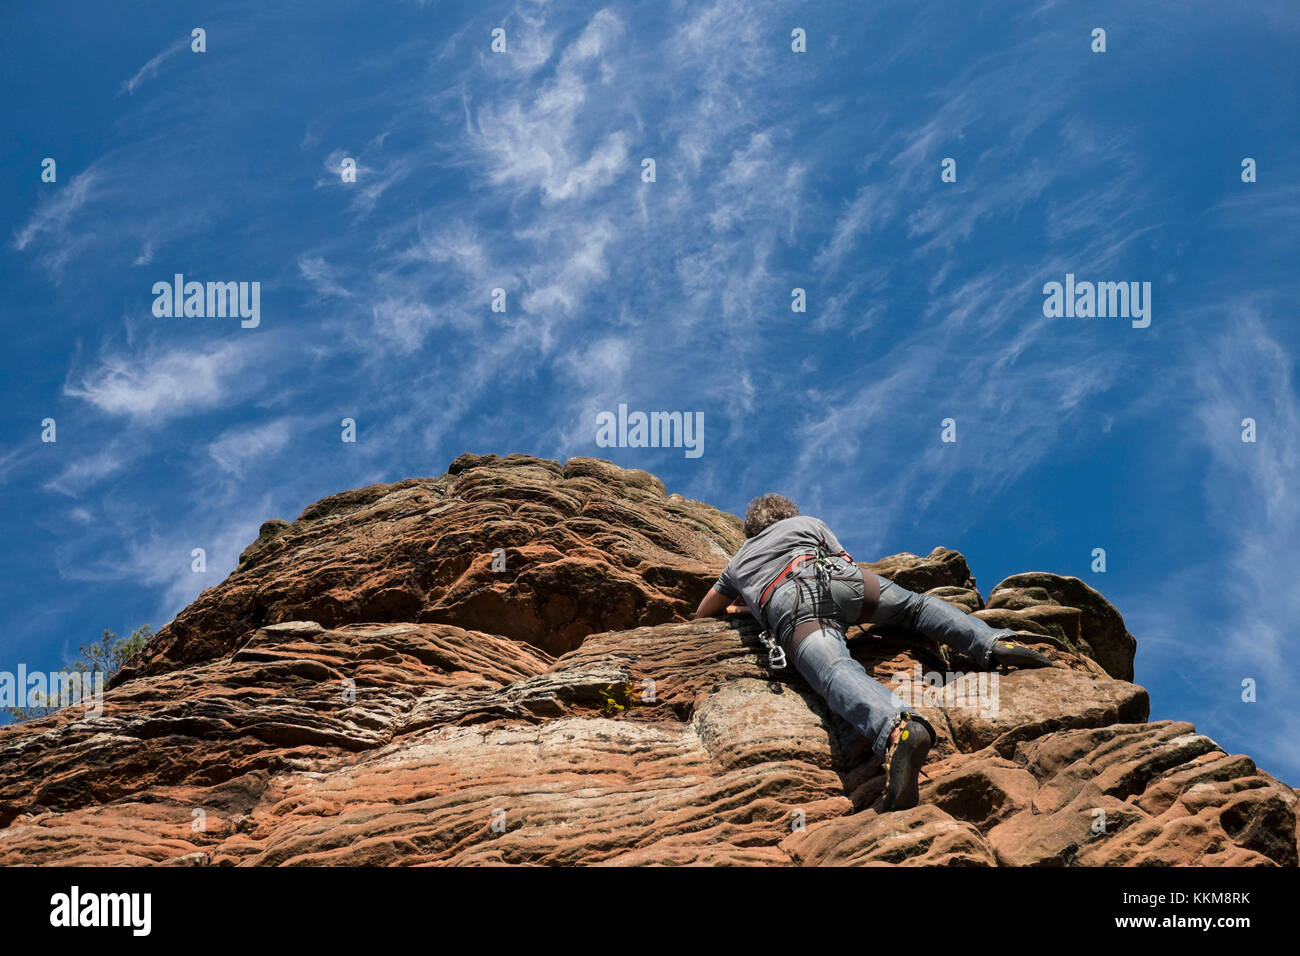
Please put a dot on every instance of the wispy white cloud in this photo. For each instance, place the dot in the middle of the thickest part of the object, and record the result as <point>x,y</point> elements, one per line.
<point>1251,487</point>
<point>1228,613</point>
<point>151,68</point>
<point>133,551</point>
<point>154,385</point>
<point>871,206</point>
<point>562,285</point>
<point>404,322</point>
<point>89,469</point>
<point>375,175</point>
<point>321,276</point>
<point>55,229</point>
<point>55,214</point>
<point>146,255</point>
<point>13,459</point>
<point>535,141</point>
<point>237,448</point>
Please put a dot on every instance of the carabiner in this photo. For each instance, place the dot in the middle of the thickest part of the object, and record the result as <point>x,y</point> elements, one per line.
<point>775,655</point>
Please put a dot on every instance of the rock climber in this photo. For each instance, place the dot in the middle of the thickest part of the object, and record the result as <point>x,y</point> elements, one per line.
<point>805,591</point>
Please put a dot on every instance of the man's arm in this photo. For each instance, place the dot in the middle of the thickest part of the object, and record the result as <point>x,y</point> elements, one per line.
<point>716,604</point>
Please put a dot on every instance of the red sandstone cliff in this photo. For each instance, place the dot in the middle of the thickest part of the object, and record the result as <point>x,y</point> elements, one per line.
<point>428,672</point>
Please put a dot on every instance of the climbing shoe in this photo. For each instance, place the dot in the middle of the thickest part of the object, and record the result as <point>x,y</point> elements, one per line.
<point>903,763</point>
<point>1010,654</point>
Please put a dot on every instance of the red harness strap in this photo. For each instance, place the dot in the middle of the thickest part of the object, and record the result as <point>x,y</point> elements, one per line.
<point>789,569</point>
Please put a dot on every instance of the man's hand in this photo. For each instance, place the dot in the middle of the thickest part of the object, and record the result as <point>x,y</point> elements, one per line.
<point>716,604</point>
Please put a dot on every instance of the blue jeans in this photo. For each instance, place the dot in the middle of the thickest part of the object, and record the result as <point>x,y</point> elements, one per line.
<point>823,659</point>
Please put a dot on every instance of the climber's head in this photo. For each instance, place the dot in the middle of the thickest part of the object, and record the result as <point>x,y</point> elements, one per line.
<point>767,510</point>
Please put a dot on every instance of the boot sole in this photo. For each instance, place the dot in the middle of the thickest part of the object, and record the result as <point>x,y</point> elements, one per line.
<point>909,794</point>
<point>1024,663</point>
<point>1022,657</point>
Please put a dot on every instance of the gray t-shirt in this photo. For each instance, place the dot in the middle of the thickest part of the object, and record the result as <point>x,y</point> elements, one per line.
<point>764,556</point>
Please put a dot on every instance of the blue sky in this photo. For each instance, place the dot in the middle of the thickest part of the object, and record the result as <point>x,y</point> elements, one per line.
<point>774,170</point>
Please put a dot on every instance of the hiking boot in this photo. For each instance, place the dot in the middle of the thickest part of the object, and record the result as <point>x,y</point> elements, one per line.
<point>903,763</point>
<point>1010,654</point>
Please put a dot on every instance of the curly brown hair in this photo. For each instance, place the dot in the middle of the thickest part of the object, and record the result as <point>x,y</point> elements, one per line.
<point>767,510</point>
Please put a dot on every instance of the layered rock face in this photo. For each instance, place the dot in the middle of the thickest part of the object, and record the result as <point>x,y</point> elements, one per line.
<point>496,666</point>
<point>519,546</point>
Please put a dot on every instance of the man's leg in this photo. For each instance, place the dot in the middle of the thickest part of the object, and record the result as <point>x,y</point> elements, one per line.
<point>937,620</point>
<point>824,661</point>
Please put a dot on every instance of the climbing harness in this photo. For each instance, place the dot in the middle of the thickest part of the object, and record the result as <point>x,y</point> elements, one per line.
<point>825,572</point>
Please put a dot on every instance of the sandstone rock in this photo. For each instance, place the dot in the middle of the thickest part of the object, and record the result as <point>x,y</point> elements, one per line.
<point>922,836</point>
<point>273,724</point>
<point>940,568</point>
<point>966,598</point>
<point>1100,625</point>
<point>1159,793</point>
<point>1029,704</point>
<point>585,547</point>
